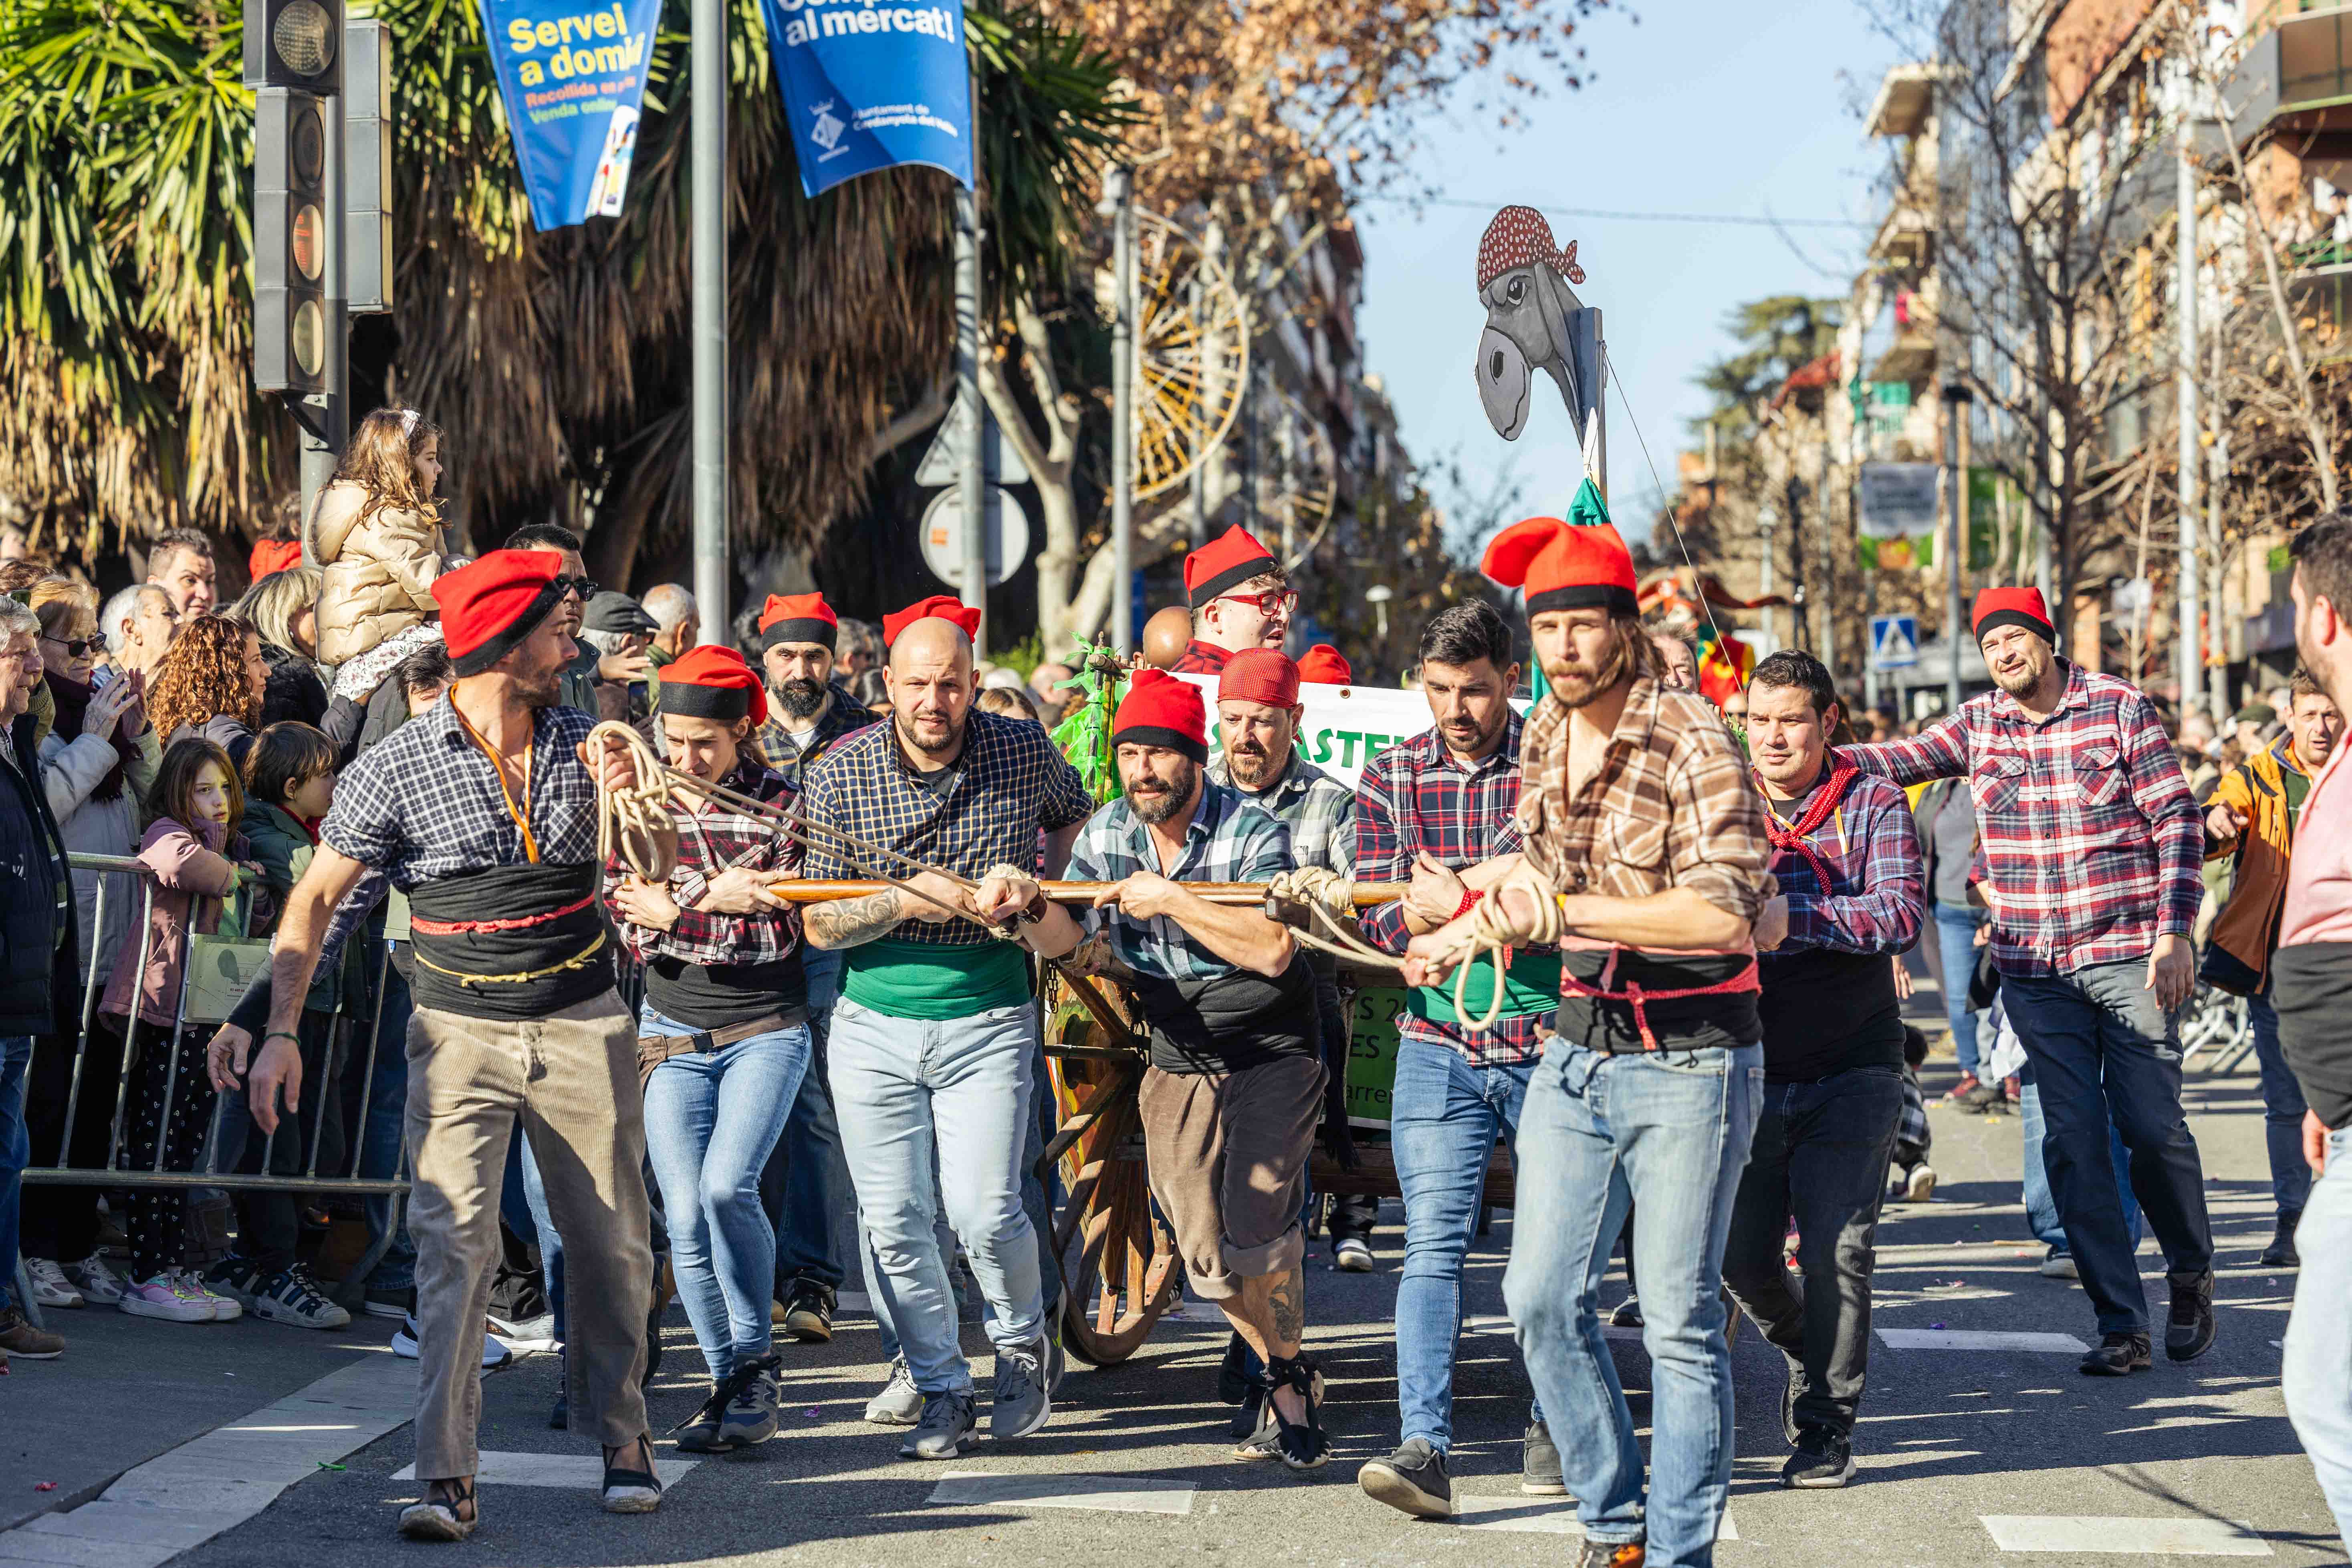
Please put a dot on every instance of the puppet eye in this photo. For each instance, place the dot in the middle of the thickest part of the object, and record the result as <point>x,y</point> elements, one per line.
<point>1516,290</point>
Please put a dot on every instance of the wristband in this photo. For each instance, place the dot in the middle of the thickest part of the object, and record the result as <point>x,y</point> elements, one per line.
<point>1470,897</point>
<point>282,1035</point>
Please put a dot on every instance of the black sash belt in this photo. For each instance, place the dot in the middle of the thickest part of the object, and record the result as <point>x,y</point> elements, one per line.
<point>508,942</point>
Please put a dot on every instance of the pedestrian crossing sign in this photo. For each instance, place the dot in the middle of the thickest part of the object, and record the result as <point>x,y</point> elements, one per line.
<point>1893,642</point>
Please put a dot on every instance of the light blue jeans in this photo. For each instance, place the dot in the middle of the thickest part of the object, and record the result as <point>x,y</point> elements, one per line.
<point>1956,954</point>
<point>2317,1374</point>
<point>2040,1207</point>
<point>710,1122</point>
<point>931,1111</point>
<point>1670,1131</point>
<point>1444,1118</point>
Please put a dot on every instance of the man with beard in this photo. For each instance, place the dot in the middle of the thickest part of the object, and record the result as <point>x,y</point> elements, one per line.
<point>934,1040</point>
<point>588,664</point>
<point>484,812</point>
<point>1645,854</point>
<point>801,1186</point>
<point>1847,856</point>
<point>2312,988</point>
<point>2091,845</point>
<point>1436,810</point>
<point>1234,1091</point>
<point>1239,598</point>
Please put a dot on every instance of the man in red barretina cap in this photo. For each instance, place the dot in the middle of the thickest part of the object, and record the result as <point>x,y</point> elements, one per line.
<point>2091,845</point>
<point>1239,597</point>
<point>483,811</point>
<point>1645,855</point>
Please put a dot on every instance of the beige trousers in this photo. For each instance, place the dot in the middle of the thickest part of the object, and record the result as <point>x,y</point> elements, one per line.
<point>571,1076</point>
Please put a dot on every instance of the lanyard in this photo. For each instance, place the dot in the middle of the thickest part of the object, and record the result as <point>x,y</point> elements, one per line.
<point>520,814</point>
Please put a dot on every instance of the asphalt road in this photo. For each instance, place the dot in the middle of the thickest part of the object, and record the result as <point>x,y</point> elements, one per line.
<point>2202,1454</point>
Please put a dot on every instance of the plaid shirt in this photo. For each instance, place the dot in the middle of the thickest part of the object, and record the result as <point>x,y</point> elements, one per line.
<point>714,838</point>
<point>1872,847</point>
<point>1414,798</point>
<point>1010,785</point>
<point>1231,838</point>
<point>1318,809</point>
<point>2090,841</point>
<point>1200,658</point>
<point>842,716</point>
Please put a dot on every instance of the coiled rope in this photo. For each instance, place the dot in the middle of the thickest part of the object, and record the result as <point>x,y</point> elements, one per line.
<point>1328,900</point>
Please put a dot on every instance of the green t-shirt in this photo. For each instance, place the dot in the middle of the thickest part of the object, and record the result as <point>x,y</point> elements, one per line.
<point>928,980</point>
<point>1531,985</point>
<point>2298,787</point>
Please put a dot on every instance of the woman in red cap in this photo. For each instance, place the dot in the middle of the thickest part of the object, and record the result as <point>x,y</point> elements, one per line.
<point>723,1041</point>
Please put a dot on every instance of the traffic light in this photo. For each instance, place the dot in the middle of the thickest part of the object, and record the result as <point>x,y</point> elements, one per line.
<point>293,60</point>
<point>367,168</point>
<point>294,43</point>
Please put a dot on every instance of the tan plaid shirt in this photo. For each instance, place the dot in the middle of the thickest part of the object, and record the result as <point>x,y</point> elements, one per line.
<point>1672,805</point>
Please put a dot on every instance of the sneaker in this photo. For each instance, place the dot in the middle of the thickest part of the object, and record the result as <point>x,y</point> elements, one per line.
<point>164,1296</point>
<point>1350,1254</point>
<point>1410,1480</point>
<point>1920,1185</point>
<point>2059,1264</point>
<point>900,1403</point>
<point>808,1313</point>
<point>1628,1314</point>
<point>1984,1097</point>
<point>1823,1458</point>
<point>2117,1355</point>
<point>1021,1403</point>
<point>225,1309</point>
<point>380,1303</point>
<point>292,1296</point>
<point>699,1433</point>
<point>1540,1474</point>
<point>751,1414</point>
<point>2279,1254</point>
<point>19,1338</point>
<point>2188,1327</point>
<point>238,1279</point>
<point>1970,1083</point>
<point>496,1351</point>
<point>1789,1402</point>
<point>50,1286</point>
<point>946,1427</point>
<point>1611,1554</point>
<point>100,1285</point>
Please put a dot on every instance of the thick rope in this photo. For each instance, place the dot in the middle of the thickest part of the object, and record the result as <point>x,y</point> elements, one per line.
<point>1330,901</point>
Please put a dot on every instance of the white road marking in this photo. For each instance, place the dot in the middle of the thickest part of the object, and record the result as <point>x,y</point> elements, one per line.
<point>2144,1537</point>
<point>216,1481</point>
<point>1980,1339</point>
<point>1114,1494</point>
<point>585,1471</point>
<point>1539,1516</point>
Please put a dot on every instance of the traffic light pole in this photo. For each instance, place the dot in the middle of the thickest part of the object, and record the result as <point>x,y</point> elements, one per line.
<point>326,416</point>
<point>970,478</point>
<point>708,69</point>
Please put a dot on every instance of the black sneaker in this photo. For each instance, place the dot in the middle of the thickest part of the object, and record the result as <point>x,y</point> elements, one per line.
<point>1233,1377</point>
<point>949,1425</point>
<point>2281,1252</point>
<point>2188,1327</point>
<point>808,1313</point>
<point>1410,1480</point>
<point>1606,1554</point>
<point>1788,1402</point>
<point>699,1433</point>
<point>2117,1355</point>
<point>1823,1458</point>
<point>1540,1473</point>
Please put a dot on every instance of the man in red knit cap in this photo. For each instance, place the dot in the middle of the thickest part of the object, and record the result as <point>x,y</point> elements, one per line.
<point>1239,597</point>
<point>1645,858</point>
<point>2091,844</point>
<point>799,643</point>
<point>1234,1091</point>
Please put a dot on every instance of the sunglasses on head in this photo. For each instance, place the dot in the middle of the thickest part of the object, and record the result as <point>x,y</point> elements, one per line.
<point>76,646</point>
<point>584,586</point>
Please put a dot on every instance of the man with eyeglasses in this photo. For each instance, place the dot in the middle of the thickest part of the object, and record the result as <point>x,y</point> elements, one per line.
<point>1239,598</point>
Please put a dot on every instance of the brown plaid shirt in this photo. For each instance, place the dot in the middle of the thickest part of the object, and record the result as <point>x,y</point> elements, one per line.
<point>1672,805</point>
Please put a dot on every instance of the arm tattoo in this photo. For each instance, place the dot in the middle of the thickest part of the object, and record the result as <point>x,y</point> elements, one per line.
<point>852,923</point>
<point>1289,1304</point>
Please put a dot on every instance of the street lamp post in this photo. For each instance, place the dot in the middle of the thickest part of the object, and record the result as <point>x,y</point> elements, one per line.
<point>708,241</point>
<point>1957,397</point>
<point>1119,205</point>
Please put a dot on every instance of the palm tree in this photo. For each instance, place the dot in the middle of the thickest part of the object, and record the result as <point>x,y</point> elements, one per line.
<point>558,362</point>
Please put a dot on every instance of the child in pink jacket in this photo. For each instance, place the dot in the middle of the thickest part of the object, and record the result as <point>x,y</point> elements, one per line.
<point>194,855</point>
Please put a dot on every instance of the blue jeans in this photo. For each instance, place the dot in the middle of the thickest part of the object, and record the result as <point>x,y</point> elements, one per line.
<point>937,1107</point>
<point>2041,1208</point>
<point>15,1151</point>
<point>1668,1129</point>
<point>2106,1056</point>
<point>803,1184</point>
<point>1956,953</point>
<point>543,1222</point>
<point>710,1121</point>
<point>2317,1373</point>
<point>2282,1109</point>
<point>1444,1118</point>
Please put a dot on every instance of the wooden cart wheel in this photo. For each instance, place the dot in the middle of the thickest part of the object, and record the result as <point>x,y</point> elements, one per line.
<point>1119,1265</point>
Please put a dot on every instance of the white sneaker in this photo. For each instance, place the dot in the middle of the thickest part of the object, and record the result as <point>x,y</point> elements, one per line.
<point>50,1286</point>
<point>1921,1186</point>
<point>169,1297</point>
<point>1350,1254</point>
<point>2057,1265</point>
<point>225,1309</point>
<point>100,1285</point>
<point>291,1296</point>
<point>496,1351</point>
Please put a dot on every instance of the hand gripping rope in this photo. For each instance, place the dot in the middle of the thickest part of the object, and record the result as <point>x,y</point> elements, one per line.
<point>1328,901</point>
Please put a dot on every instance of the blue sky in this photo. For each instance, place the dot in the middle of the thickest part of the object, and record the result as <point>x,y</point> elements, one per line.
<point>1701,106</point>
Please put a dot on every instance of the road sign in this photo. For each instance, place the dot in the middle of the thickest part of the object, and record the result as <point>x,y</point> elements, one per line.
<point>1004,530</point>
<point>944,462</point>
<point>1893,642</point>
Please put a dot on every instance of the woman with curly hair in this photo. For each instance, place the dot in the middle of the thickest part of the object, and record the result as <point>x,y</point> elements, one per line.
<point>210,685</point>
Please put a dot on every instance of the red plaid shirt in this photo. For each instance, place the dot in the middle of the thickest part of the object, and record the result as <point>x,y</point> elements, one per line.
<point>2091,842</point>
<point>714,837</point>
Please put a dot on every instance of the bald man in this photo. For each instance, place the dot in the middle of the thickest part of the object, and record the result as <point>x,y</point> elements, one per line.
<point>1166,636</point>
<point>934,1040</point>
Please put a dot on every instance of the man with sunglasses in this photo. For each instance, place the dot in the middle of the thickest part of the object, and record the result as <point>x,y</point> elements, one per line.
<point>1239,598</point>
<point>589,666</point>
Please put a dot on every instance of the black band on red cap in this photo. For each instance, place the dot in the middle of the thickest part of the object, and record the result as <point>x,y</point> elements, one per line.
<point>726,703</point>
<point>822,633</point>
<point>1232,577</point>
<point>1609,597</point>
<point>1160,735</point>
<point>2033,624</point>
<point>514,635</point>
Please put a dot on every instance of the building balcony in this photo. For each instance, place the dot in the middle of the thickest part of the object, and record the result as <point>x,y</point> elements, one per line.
<point>2296,76</point>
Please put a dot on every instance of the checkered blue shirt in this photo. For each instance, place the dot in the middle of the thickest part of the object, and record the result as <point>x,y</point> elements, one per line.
<point>1230,839</point>
<point>1319,811</point>
<point>1011,786</point>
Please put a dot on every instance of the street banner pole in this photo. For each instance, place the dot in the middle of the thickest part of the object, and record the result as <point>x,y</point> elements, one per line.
<point>972,477</point>
<point>2193,608</point>
<point>1120,193</point>
<point>710,324</point>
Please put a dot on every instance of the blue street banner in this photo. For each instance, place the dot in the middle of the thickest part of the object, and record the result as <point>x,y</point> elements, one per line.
<point>572,73</point>
<point>867,85</point>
